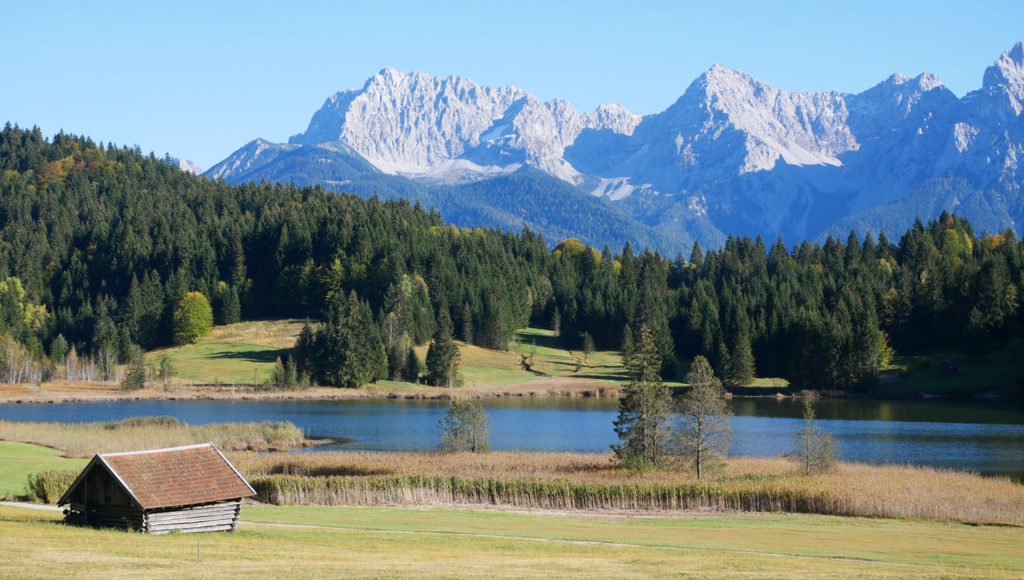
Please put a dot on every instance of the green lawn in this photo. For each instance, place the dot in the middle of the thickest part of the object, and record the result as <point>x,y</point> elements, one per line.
<point>19,460</point>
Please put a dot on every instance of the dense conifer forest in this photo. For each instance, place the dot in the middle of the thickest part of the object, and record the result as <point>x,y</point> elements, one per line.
<point>99,244</point>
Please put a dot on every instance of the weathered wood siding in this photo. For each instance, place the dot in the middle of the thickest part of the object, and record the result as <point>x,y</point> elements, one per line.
<point>218,517</point>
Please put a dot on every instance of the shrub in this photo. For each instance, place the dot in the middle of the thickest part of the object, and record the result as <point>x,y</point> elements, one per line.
<point>193,318</point>
<point>48,486</point>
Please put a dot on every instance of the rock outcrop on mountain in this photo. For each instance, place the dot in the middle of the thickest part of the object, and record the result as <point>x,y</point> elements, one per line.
<point>731,155</point>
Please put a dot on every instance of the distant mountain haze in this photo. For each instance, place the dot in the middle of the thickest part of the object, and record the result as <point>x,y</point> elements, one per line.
<point>732,155</point>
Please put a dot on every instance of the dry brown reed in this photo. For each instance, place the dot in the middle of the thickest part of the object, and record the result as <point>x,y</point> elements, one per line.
<point>87,439</point>
<point>593,481</point>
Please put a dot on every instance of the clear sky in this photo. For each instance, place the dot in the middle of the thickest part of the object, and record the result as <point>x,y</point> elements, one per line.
<point>200,79</point>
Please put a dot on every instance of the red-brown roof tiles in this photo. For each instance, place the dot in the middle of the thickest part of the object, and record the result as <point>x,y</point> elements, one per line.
<point>178,477</point>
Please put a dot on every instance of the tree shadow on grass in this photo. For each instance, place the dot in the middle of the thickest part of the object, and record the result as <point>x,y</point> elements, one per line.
<point>603,377</point>
<point>527,340</point>
<point>253,356</point>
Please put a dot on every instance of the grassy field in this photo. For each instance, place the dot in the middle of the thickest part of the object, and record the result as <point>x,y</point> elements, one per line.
<point>19,460</point>
<point>455,543</point>
<point>244,352</point>
<point>234,353</point>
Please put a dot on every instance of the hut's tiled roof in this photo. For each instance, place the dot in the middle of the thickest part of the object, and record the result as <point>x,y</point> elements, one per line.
<point>176,477</point>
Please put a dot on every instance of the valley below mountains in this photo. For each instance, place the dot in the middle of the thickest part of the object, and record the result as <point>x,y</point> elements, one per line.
<point>733,155</point>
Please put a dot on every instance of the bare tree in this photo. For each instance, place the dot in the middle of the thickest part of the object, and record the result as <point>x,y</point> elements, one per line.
<point>815,449</point>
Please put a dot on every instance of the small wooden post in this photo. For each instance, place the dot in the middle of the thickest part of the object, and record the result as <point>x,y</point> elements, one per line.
<point>199,554</point>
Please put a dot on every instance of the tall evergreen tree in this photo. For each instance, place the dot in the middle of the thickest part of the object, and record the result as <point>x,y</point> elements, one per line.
<point>642,424</point>
<point>348,349</point>
<point>741,361</point>
<point>443,357</point>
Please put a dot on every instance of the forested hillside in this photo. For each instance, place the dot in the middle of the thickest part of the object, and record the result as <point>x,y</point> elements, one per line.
<point>98,244</point>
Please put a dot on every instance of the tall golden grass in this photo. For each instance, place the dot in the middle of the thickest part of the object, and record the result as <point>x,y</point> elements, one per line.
<point>87,439</point>
<point>592,481</point>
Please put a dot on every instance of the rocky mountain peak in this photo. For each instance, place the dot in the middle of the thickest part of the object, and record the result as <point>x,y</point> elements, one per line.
<point>1005,79</point>
<point>732,149</point>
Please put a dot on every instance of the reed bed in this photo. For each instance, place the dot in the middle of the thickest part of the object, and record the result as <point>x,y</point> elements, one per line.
<point>87,439</point>
<point>566,481</point>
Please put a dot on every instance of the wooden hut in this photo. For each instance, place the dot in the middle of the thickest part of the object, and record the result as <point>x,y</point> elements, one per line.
<point>184,489</point>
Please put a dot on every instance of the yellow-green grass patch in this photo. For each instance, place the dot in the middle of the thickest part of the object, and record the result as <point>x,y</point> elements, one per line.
<point>232,354</point>
<point>909,542</point>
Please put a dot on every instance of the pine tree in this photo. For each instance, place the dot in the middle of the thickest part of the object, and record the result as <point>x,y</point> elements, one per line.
<point>642,424</point>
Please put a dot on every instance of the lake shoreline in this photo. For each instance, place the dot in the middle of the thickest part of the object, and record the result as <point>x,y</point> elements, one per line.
<point>81,393</point>
<point>546,387</point>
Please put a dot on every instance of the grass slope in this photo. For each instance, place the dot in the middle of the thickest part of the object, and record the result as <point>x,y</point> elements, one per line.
<point>233,353</point>
<point>446,543</point>
<point>19,460</point>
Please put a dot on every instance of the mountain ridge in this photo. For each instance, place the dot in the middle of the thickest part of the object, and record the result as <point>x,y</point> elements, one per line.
<point>732,154</point>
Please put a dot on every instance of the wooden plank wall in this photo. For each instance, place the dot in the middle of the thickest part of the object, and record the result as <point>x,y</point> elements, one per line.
<point>219,517</point>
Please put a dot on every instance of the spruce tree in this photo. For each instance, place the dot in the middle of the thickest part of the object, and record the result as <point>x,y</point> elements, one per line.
<point>348,351</point>
<point>135,378</point>
<point>741,361</point>
<point>642,424</point>
<point>443,357</point>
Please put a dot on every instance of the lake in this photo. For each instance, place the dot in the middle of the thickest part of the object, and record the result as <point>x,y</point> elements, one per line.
<point>985,438</point>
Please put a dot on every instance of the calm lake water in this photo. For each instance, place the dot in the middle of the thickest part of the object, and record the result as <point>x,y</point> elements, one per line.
<point>987,439</point>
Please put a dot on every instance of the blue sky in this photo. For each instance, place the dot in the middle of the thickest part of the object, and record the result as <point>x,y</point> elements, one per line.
<point>200,79</point>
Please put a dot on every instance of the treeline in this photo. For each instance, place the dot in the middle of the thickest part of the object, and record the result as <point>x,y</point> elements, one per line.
<point>104,242</point>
